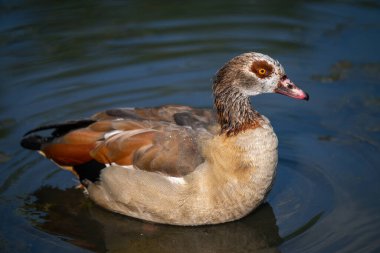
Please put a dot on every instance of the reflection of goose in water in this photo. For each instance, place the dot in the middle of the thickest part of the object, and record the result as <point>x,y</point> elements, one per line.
<point>67,214</point>
<point>176,164</point>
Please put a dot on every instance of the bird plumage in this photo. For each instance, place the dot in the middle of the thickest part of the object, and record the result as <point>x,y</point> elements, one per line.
<point>177,164</point>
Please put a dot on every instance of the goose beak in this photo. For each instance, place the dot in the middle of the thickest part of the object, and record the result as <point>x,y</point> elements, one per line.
<point>288,88</point>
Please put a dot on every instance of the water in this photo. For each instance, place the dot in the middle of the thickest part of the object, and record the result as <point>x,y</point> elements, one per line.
<point>67,60</point>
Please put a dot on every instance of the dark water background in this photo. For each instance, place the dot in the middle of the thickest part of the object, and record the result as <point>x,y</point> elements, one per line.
<point>64,60</point>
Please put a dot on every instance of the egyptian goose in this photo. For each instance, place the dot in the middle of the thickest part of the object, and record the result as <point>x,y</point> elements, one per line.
<point>176,164</point>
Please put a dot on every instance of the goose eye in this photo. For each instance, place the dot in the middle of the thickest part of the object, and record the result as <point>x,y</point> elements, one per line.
<point>262,71</point>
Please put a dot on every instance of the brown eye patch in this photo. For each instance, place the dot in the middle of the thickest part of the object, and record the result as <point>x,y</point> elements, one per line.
<point>262,69</point>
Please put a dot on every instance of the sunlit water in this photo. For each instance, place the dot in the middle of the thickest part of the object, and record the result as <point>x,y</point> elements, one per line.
<point>64,60</point>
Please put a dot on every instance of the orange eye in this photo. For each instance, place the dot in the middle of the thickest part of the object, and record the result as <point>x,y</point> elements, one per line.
<point>262,72</point>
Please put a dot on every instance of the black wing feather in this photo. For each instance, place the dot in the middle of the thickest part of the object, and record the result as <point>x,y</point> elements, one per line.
<point>34,142</point>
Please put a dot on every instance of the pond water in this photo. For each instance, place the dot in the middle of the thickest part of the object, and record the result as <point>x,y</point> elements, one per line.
<point>64,60</point>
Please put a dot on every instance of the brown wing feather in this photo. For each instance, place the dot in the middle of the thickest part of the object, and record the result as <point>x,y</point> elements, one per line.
<point>121,147</point>
<point>172,152</point>
<point>163,139</point>
<point>68,154</point>
<point>72,148</point>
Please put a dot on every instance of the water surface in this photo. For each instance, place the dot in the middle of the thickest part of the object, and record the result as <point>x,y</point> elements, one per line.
<point>67,60</point>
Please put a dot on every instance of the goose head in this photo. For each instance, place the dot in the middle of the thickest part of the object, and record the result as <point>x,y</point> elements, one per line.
<point>247,75</point>
<point>254,73</point>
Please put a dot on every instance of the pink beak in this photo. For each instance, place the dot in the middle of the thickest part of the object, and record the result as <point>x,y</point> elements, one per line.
<point>288,88</point>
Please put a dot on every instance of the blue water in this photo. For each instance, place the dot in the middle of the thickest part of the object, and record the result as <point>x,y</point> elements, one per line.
<point>69,59</point>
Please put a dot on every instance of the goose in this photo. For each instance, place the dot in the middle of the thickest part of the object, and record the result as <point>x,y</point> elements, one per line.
<point>176,164</point>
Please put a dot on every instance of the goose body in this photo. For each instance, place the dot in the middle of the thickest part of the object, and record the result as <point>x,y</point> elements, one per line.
<point>176,164</point>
